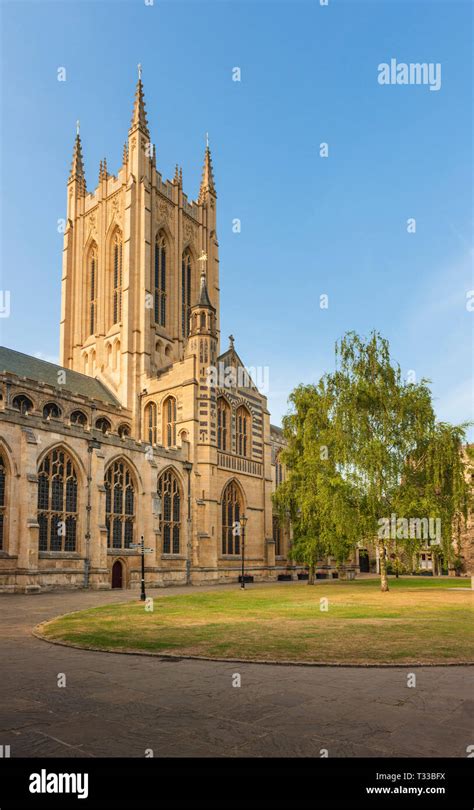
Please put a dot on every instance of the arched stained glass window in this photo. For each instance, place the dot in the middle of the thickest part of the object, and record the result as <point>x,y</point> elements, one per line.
<point>243,422</point>
<point>186,273</point>
<point>117,279</point>
<point>170,521</point>
<point>231,511</point>
<point>119,505</point>
<point>57,502</point>
<point>160,280</point>
<point>169,422</point>
<point>223,424</point>
<point>149,427</point>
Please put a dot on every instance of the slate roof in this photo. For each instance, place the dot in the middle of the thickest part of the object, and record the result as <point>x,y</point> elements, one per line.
<point>23,365</point>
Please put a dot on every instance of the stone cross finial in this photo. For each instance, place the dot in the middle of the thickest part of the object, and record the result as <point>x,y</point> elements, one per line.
<point>231,341</point>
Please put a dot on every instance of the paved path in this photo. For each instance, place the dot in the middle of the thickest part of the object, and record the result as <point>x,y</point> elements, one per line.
<point>121,705</point>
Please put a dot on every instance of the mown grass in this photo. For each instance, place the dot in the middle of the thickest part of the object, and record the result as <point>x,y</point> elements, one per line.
<point>417,621</point>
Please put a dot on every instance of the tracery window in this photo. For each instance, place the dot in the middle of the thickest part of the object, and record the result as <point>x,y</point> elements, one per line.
<point>23,404</point>
<point>169,422</point>
<point>78,418</point>
<point>119,505</point>
<point>92,270</point>
<point>278,470</point>
<point>150,424</point>
<point>57,502</point>
<point>103,425</point>
<point>223,424</point>
<point>186,271</point>
<point>51,411</point>
<point>170,521</point>
<point>117,279</point>
<point>231,511</point>
<point>160,280</point>
<point>243,423</point>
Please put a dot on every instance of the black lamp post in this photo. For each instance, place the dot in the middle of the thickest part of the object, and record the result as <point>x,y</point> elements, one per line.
<point>243,523</point>
<point>142,549</point>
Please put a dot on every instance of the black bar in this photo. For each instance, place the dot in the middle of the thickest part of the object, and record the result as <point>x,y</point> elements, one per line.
<point>211,784</point>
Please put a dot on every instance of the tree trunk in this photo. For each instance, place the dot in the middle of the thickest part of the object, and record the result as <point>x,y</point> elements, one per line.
<point>311,574</point>
<point>383,568</point>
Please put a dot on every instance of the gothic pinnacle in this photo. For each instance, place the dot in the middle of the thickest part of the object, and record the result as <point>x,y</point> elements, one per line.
<point>207,181</point>
<point>139,119</point>
<point>77,166</point>
<point>125,154</point>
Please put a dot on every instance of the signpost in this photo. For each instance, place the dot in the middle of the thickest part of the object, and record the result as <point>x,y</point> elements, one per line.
<point>142,551</point>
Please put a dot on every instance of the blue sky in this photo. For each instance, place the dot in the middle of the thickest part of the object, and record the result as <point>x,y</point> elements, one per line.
<point>310,226</point>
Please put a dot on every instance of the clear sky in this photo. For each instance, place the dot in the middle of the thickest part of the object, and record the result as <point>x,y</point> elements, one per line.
<point>310,225</point>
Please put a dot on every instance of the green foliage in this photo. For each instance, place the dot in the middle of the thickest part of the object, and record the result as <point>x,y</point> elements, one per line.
<point>362,444</point>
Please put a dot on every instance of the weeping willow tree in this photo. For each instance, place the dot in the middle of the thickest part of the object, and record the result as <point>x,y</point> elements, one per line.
<point>315,497</point>
<point>363,445</point>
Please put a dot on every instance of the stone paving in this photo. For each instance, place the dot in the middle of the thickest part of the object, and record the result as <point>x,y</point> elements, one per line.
<point>121,705</point>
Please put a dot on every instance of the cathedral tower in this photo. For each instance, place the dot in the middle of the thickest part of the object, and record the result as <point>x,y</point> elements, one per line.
<point>131,273</point>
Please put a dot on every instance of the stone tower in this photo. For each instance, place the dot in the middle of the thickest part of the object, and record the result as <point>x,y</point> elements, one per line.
<point>131,274</point>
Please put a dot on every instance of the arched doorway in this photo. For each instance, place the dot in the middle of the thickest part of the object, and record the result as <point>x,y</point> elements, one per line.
<point>117,574</point>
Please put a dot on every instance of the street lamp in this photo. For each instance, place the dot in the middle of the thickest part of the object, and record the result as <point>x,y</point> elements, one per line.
<point>243,523</point>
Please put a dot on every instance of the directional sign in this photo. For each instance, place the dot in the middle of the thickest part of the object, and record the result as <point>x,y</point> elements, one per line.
<point>135,545</point>
<point>147,550</point>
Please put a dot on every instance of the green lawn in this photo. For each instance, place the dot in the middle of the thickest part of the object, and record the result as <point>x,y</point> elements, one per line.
<point>417,621</point>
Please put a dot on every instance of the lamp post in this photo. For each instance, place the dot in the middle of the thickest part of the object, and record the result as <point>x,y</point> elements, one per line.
<point>243,523</point>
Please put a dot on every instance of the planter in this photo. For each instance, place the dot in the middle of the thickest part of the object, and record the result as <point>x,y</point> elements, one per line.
<point>320,575</point>
<point>284,577</point>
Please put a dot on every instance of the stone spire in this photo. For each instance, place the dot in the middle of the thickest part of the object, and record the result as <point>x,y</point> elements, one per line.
<point>139,119</point>
<point>203,299</point>
<point>77,166</point>
<point>207,182</point>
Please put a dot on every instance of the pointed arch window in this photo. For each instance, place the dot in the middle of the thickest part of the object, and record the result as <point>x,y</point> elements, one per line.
<point>119,505</point>
<point>186,274</point>
<point>150,423</point>
<point>23,404</point>
<point>3,502</point>
<point>231,511</point>
<point>169,422</point>
<point>92,282</point>
<point>160,280</point>
<point>117,278</point>
<point>170,521</point>
<point>57,502</point>
<point>243,426</point>
<point>223,424</point>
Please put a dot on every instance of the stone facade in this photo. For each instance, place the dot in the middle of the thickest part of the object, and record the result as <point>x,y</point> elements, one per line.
<point>134,435</point>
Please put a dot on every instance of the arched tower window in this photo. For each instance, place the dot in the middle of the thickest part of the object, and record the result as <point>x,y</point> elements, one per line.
<point>223,424</point>
<point>170,521</point>
<point>92,289</point>
<point>57,502</point>
<point>243,425</point>
<point>51,411</point>
<point>186,274</point>
<point>3,501</point>
<point>117,278</point>
<point>119,505</point>
<point>103,425</point>
<point>169,422</point>
<point>78,418</point>
<point>160,280</point>
<point>231,511</point>
<point>150,423</point>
